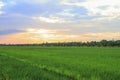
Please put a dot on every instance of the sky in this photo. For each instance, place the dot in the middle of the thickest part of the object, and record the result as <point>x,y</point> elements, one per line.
<point>38,21</point>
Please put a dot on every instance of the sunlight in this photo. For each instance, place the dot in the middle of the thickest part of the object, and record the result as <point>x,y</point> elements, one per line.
<point>38,31</point>
<point>43,31</point>
<point>30,30</point>
<point>48,35</point>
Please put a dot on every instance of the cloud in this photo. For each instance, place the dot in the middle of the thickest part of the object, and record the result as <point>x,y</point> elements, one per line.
<point>51,19</point>
<point>103,35</point>
<point>15,21</point>
<point>107,9</point>
<point>85,19</point>
<point>70,1</point>
<point>38,1</point>
<point>48,35</point>
<point>66,13</point>
<point>1,12</point>
<point>12,31</point>
<point>1,5</point>
<point>32,1</point>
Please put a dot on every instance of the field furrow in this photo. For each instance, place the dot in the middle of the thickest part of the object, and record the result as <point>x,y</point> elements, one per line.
<point>18,69</point>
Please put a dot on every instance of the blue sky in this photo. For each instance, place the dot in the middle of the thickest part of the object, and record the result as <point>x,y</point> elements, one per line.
<point>72,19</point>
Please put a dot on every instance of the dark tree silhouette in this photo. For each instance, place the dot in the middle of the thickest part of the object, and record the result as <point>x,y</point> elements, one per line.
<point>102,43</point>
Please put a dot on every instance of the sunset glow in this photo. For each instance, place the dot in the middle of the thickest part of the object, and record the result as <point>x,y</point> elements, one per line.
<point>38,21</point>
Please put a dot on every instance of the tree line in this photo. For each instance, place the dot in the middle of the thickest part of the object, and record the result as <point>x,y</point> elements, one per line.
<point>102,43</point>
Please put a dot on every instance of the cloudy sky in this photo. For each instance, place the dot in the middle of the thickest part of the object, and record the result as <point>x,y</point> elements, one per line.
<point>37,21</point>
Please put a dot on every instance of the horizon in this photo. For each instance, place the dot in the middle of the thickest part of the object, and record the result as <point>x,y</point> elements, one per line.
<point>37,21</point>
<point>59,42</point>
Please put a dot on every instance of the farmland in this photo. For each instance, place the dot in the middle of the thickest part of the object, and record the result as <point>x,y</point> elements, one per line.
<point>59,63</point>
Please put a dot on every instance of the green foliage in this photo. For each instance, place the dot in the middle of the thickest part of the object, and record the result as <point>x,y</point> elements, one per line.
<point>59,63</point>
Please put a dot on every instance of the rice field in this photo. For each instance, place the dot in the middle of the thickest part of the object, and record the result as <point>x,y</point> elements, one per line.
<point>59,63</point>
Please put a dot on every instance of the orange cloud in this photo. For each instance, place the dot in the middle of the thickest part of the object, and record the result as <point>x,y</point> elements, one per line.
<point>47,35</point>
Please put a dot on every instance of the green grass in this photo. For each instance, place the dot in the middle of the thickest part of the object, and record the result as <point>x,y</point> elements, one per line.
<point>59,63</point>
